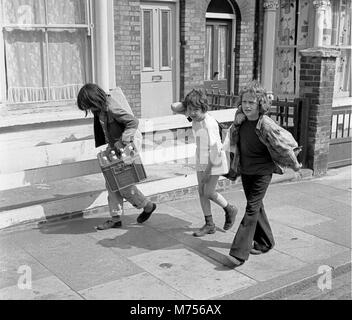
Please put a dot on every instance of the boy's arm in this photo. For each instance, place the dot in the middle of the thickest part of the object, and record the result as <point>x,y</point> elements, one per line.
<point>128,120</point>
<point>215,147</point>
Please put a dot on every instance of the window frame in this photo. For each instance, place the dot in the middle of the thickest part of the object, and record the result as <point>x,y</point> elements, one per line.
<point>339,47</point>
<point>88,26</point>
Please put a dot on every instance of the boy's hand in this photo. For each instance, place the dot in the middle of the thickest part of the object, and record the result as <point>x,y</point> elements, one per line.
<point>178,108</point>
<point>239,118</point>
<point>119,145</point>
<point>298,167</point>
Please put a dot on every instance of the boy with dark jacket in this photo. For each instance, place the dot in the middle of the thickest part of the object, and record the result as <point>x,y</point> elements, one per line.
<point>117,127</point>
<point>261,147</point>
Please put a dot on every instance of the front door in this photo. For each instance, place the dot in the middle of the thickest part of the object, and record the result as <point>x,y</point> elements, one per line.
<point>217,71</point>
<point>157,58</point>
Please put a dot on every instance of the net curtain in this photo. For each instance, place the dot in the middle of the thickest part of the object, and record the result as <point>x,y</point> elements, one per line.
<point>36,72</point>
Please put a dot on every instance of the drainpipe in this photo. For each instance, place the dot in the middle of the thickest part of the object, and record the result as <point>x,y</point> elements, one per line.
<point>102,44</point>
<point>270,8</point>
<point>320,7</point>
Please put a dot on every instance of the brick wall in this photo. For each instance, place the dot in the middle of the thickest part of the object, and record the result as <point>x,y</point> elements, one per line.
<point>192,37</point>
<point>317,76</point>
<point>192,15</point>
<point>127,27</point>
<point>245,42</point>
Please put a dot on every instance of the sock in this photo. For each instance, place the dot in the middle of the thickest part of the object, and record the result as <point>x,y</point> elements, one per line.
<point>209,220</point>
<point>149,207</point>
<point>116,218</point>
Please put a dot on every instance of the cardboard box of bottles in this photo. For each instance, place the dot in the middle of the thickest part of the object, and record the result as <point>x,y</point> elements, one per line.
<point>123,169</point>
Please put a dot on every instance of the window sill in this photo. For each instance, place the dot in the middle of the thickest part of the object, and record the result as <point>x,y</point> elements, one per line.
<point>36,114</point>
<point>341,101</point>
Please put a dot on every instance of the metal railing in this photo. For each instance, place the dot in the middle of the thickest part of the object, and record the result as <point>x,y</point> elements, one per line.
<point>218,100</point>
<point>341,122</point>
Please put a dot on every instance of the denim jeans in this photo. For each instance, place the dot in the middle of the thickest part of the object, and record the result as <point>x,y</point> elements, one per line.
<point>254,225</point>
<point>131,193</point>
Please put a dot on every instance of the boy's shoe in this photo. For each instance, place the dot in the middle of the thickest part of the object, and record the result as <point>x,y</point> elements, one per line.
<point>109,224</point>
<point>259,249</point>
<point>235,262</point>
<point>206,229</point>
<point>230,215</point>
<point>255,251</point>
<point>144,216</point>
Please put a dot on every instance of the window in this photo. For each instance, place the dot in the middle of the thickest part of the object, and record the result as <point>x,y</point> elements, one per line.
<point>337,34</point>
<point>47,48</point>
<point>208,70</point>
<point>217,50</point>
<point>147,42</point>
<point>165,39</point>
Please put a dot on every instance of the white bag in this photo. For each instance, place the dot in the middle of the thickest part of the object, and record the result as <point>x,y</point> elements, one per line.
<point>120,98</point>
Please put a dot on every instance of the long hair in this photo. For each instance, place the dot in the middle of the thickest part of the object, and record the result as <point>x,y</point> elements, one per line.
<point>259,92</point>
<point>91,98</point>
<point>197,99</point>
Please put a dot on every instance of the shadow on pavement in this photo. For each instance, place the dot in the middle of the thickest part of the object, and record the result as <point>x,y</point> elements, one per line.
<point>79,226</point>
<point>163,231</point>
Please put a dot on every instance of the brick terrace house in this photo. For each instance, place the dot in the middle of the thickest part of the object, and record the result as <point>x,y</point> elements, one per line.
<point>156,51</point>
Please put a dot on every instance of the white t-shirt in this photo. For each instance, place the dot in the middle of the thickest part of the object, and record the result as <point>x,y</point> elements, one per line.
<point>209,146</point>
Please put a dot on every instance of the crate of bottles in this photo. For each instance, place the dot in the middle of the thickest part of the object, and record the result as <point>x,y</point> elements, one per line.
<point>121,168</point>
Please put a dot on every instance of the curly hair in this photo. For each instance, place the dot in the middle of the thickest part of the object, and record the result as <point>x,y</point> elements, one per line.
<point>91,98</point>
<point>259,92</point>
<point>197,99</point>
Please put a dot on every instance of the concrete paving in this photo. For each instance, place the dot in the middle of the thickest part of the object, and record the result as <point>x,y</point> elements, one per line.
<point>161,260</point>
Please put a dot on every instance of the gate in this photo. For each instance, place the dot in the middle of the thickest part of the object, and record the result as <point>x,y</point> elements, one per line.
<point>340,137</point>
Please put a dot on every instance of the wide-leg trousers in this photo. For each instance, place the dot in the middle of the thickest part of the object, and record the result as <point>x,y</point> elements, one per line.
<point>254,226</point>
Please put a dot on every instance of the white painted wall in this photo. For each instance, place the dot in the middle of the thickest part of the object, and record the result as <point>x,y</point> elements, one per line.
<point>40,155</point>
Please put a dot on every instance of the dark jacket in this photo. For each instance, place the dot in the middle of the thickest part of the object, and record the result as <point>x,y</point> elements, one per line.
<point>114,124</point>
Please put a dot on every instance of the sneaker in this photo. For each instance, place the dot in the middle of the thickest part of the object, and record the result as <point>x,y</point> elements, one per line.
<point>230,215</point>
<point>144,216</point>
<point>109,224</point>
<point>206,229</point>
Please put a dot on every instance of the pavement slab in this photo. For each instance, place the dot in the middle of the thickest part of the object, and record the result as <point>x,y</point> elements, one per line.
<point>79,262</point>
<point>268,266</point>
<point>192,208</point>
<point>161,259</point>
<point>168,218</point>
<point>141,286</point>
<point>45,288</point>
<point>337,231</point>
<point>134,239</point>
<point>317,189</point>
<point>192,274</point>
<point>305,247</point>
<point>296,217</point>
<point>14,261</point>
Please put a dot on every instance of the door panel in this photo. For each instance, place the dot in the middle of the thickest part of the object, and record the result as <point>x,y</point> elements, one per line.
<point>158,63</point>
<point>217,71</point>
